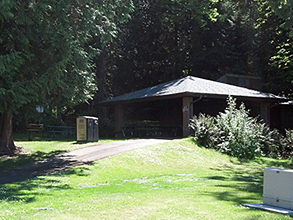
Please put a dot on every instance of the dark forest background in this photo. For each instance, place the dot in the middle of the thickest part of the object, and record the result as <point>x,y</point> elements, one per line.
<point>67,57</point>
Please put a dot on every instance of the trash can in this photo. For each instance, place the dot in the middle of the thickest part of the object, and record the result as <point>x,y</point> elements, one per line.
<point>87,129</point>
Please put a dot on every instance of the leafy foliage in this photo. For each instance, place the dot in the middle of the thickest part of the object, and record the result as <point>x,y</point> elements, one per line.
<point>240,139</point>
<point>167,39</point>
<point>282,58</point>
<point>206,132</point>
<point>47,50</point>
<point>283,9</point>
<point>164,40</point>
<point>235,133</point>
<point>287,144</point>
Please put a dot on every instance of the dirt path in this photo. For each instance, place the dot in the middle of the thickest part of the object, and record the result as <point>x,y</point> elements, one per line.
<point>74,158</point>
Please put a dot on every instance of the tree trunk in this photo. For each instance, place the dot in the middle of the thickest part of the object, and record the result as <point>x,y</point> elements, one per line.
<point>101,74</point>
<point>6,140</point>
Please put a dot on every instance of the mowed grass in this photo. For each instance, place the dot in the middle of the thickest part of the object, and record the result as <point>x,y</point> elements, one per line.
<point>173,180</point>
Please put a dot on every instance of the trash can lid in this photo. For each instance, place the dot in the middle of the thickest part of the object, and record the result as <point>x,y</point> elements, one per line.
<point>88,117</point>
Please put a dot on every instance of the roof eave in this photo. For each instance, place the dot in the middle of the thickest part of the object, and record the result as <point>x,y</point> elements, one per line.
<point>189,94</point>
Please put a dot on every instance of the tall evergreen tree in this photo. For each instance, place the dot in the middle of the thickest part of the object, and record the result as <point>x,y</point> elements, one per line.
<point>46,55</point>
<point>160,43</point>
<point>282,60</point>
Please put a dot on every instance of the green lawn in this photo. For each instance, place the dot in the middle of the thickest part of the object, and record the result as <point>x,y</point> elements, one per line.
<point>173,180</point>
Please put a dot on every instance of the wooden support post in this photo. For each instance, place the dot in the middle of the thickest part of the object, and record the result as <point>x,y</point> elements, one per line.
<point>118,120</point>
<point>187,112</point>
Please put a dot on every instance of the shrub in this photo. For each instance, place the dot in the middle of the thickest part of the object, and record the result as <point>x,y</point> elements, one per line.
<point>235,133</point>
<point>270,140</point>
<point>241,139</point>
<point>287,144</point>
<point>205,130</point>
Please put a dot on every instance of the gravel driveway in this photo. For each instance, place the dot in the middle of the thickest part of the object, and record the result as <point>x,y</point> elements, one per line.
<point>74,158</point>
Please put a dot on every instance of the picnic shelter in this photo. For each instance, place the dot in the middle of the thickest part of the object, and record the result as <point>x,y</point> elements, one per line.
<point>172,104</point>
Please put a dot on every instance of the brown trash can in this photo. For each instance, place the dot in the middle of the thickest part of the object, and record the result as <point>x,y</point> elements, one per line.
<point>87,129</point>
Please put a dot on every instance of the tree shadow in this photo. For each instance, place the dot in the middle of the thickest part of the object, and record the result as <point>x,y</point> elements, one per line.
<point>242,182</point>
<point>49,165</point>
<point>26,191</point>
<point>21,159</point>
<point>78,171</point>
<point>22,183</point>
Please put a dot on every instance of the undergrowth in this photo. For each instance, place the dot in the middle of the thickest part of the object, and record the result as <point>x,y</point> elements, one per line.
<point>237,134</point>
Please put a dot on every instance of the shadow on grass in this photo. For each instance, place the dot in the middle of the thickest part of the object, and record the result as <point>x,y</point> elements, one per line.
<point>49,165</point>
<point>78,171</point>
<point>18,160</point>
<point>243,181</point>
<point>33,180</point>
<point>26,191</point>
<point>238,190</point>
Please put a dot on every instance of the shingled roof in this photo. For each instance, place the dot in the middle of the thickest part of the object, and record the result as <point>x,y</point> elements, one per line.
<point>194,87</point>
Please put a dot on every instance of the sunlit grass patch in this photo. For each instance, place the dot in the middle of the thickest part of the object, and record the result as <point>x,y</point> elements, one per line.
<point>173,180</point>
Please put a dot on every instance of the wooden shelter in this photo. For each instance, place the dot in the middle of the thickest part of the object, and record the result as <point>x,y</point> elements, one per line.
<point>175,102</point>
